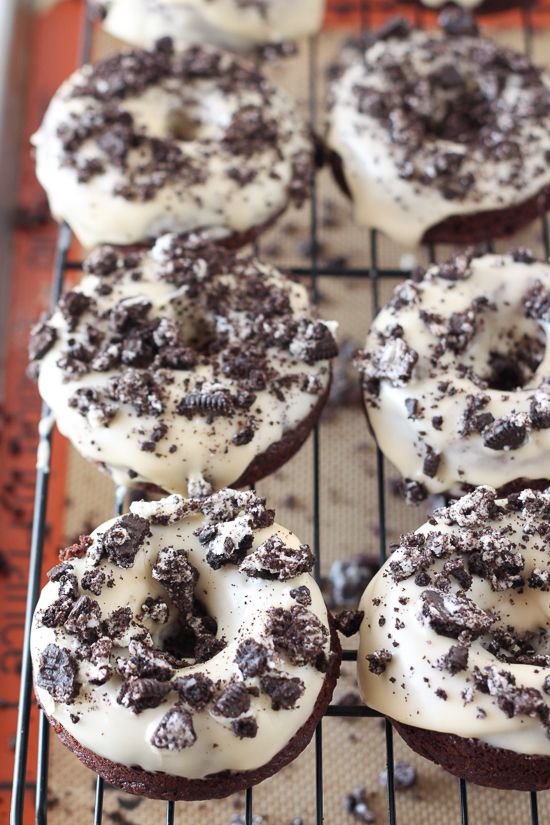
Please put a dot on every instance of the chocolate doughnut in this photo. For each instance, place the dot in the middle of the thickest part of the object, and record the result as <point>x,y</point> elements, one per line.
<point>183,651</point>
<point>454,643</point>
<point>456,374</point>
<point>440,137</point>
<point>147,142</point>
<point>189,369</point>
<point>232,24</point>
<point>477,6</point>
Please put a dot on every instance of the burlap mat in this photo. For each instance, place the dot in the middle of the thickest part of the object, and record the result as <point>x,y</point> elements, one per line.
<point>353,750</point>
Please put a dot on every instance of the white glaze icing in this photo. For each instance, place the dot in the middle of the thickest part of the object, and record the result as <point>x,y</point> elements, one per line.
<point>405,209</point>
<point>465,459</point>
<point>210,199</point>
<point>239,604</point>
<point>228,23</point>
<point>405,691</point>
<point>204,448</point>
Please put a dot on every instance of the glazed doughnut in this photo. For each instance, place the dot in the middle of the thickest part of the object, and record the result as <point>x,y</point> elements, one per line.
<point>147,142</point>
<point>454,643</point>
<point>440,137</point>
<point>183,651</point>
<point>188,369</point>
<point>478,6</point>
<point>232,24</point>
<point>456,374</point>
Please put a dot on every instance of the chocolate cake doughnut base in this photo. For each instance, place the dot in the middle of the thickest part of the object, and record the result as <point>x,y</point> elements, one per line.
<point>469,229</point>
<point>478,762</point>
<point>283,450</point>
<point>165,786</point>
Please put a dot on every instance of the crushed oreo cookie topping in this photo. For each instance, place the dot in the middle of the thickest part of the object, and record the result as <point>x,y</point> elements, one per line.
<point>284,691</point>
<point>121,542</point>
<point>57,673</point>
<point>175,731</point>
<point>298,633</point>
<point>273,559</point>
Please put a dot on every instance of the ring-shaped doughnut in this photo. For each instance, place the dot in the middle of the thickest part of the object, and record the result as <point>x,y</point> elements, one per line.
<point>227,23</point>
<point>187,369</point>
<point>440,137</point>
<point>454,643</point>
<point>147,142</point>
<point>183,651</point>
<point>456,374</point>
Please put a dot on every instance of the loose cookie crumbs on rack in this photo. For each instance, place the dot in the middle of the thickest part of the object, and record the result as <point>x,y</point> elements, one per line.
<point>356,804</point>
<point>404,776</point>
<point>348,578</point>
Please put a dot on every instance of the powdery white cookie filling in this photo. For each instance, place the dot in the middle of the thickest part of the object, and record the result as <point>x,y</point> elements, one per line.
<point>237,696</point>
<point>429,125</point>
<point>456,374</point>
<point>456,628</point>
<point>179,367</point>
<point>149,142</point>
<point>232,24</point>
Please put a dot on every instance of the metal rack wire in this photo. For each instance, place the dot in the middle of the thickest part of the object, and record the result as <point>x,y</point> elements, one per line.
<point>372,274</point>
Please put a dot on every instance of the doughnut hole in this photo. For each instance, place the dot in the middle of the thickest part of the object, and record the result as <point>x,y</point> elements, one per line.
<point>181,126</point>
<point>183,639</point>
<point>516,646</point>
<point>515,357</point>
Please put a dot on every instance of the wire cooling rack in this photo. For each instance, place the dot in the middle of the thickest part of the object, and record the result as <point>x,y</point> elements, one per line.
<point>372,273</point>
